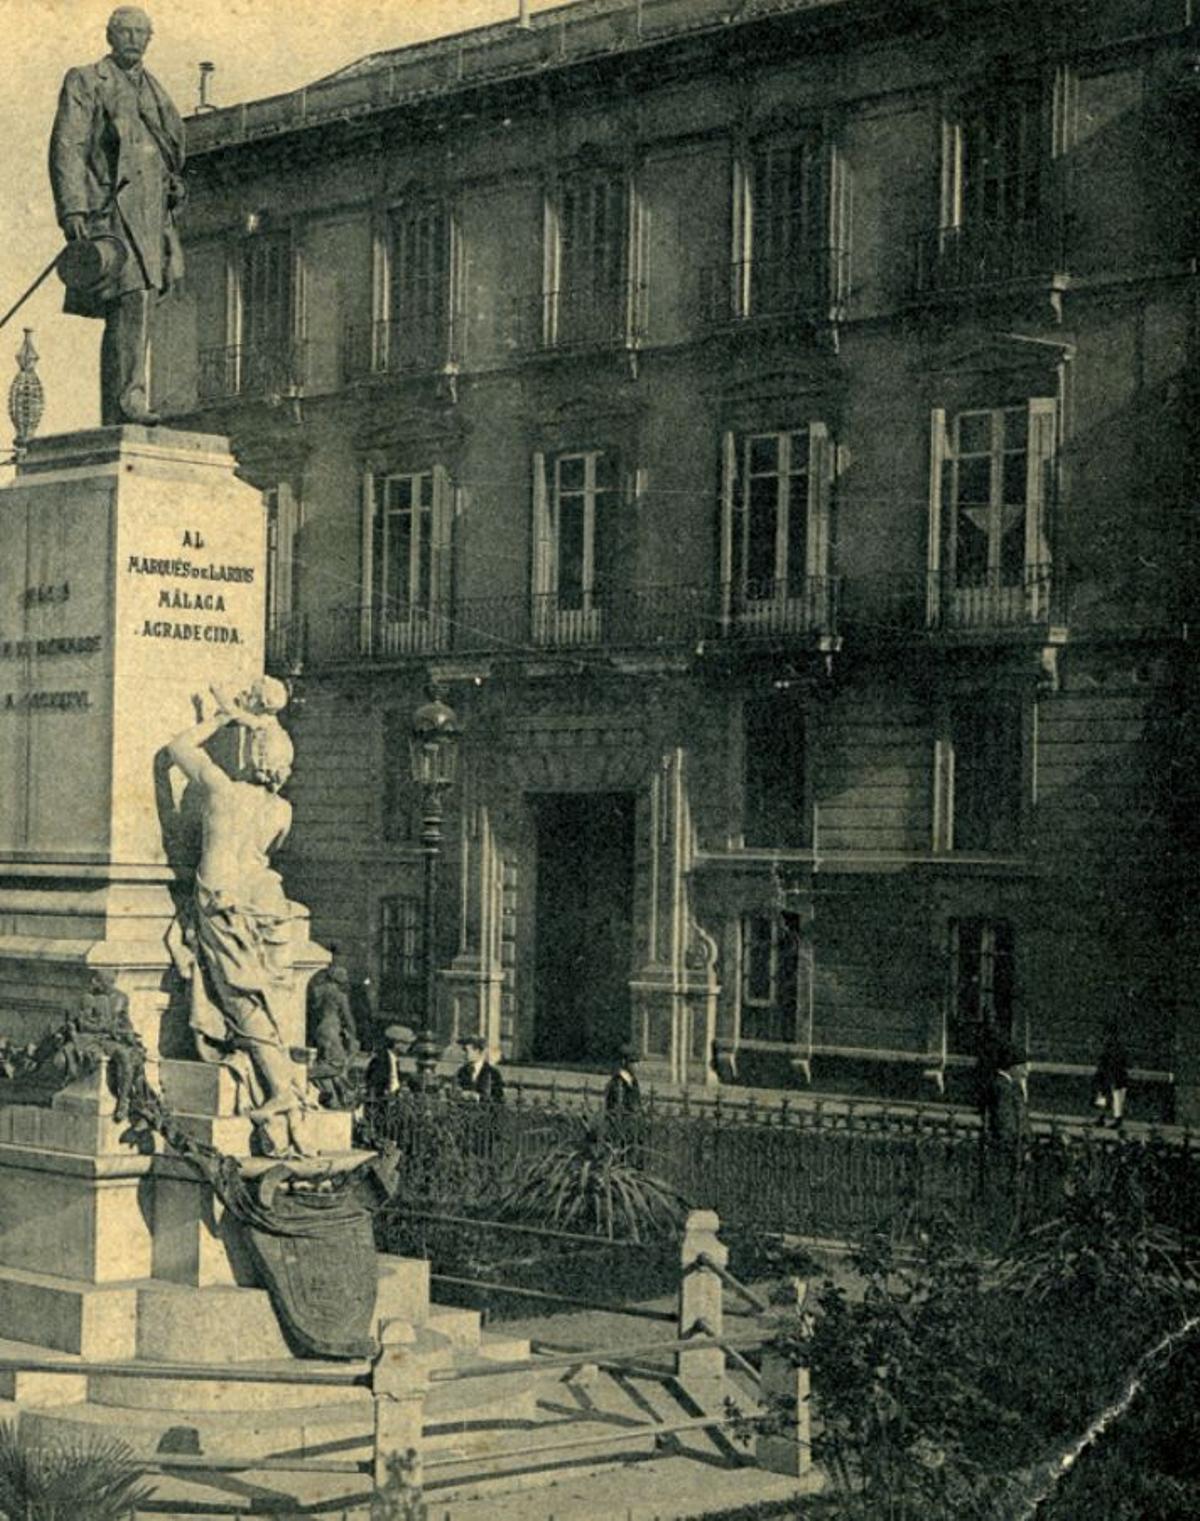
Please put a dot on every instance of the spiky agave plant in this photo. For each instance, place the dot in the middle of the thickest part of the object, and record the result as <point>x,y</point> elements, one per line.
<point>49,1478</point>
<point>594,1182</point>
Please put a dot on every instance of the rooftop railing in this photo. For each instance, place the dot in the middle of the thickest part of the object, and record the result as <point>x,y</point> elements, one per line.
<point>565,35</point>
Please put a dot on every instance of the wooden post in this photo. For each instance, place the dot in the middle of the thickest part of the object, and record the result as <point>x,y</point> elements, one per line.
<point>702,1373</point>
<point>399,1385</point>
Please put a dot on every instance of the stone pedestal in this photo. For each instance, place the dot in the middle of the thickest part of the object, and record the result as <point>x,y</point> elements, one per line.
<point>133,577</point>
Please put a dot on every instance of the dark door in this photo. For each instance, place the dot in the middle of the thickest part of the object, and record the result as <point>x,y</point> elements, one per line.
<point>584,932</point>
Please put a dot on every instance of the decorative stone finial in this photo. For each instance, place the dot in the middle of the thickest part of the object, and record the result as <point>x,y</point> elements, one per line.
<point>26,399</point>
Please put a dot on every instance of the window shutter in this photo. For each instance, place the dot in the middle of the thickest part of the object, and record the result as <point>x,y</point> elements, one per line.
<point>937,459</point>
<point>440,531</point>
<point>547,333</point>
<point>543,533</point>
<point>1039,502</point>
<point>943,793</point>
<point>743,225</point>
<point>820,493</point>
<point>730,520</point>
<point>367,555</point>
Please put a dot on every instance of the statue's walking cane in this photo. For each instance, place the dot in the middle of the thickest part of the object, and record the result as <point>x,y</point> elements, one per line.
<point>53,264</point>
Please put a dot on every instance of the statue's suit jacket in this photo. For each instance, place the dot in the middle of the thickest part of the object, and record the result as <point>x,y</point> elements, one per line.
<point>99,138</point>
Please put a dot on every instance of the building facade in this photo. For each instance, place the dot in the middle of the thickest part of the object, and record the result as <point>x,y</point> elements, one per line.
<point>773,428</point>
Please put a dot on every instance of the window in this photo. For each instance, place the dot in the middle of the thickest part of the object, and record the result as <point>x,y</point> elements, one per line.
<point>593,259</point>
<point>790,233</point>
<point>420,331</point>
<point>408,561</point>
<point>776,527</point>
<point>400,969</point>
<point>981,956</point>
<point>268,358</point>
<point>574,540</point>
<point>774,796</point>
<point>771,976</point>
<point>998,210</point>
<point>284,622</point>
<point>986,772</point>
<point>398,791</point>
<point>989,535</point>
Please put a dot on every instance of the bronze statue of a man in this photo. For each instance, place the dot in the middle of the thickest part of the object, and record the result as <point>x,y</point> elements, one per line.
<point>116,157</point>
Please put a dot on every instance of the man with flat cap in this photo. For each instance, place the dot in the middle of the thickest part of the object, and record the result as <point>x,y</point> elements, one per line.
<point>116,157</point>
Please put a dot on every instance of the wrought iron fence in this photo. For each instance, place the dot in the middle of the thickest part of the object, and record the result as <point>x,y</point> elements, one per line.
<point>834,1171</point>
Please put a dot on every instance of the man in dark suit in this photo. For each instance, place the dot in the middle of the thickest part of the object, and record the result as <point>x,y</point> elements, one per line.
<point>477,1079</point>
<point>116,157</point>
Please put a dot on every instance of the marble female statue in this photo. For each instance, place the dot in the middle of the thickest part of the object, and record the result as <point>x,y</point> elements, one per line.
<point>237,941</point>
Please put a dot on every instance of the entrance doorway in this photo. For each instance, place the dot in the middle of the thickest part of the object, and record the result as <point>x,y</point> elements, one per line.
<point>584,931</point>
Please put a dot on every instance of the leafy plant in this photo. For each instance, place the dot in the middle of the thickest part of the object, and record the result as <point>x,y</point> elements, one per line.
<point>594,1183</point>
<point>1107,1244</point>
<point>400,1498</point>
<point>46,1478</point>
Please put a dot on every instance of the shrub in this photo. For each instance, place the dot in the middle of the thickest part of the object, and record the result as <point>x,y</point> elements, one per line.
<point>52,1479</point>
<point>594,1183</point>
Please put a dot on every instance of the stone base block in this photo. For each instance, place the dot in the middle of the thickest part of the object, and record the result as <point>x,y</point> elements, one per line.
<point>196,1087</point>
<point>323,1130</point>
<point>98,1321</point>
<point>27,1388</point>
<point>76,1217</point>
<point>460,1327</point>
<point>403,1289</point>
<point>74,1131</point>
<point>212,1325</point>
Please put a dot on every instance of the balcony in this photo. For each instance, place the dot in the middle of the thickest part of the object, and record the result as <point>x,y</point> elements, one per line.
<point>773,610</point>
<point>811,287</point>
<point>573,320</point>
<point>259,370</point>
<point>1028,250</point>
<point>654,617</point>
<point>427,343</point>
<point>287,644</point>
<point>990,602</point>
<point>987,606</point>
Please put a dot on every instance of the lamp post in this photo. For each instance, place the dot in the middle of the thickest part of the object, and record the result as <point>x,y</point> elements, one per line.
<point>433,753</point>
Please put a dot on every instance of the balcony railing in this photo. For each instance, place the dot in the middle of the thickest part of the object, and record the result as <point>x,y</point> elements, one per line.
<point>252,369</point>
<point>995,602</point>
<point>640,617</point>
<point>812,286</point>
<point>771,609</point>
<point>422,344</point>
<point>588,317</point>
<point>989,253</point>
<point>912,604</point>
<point>287,643</point>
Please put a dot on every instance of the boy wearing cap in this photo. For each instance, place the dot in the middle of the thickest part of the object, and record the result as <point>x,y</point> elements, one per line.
<point>477,1079</point>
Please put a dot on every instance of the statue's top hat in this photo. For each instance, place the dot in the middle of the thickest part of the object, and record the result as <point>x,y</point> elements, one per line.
<point>85,264</point>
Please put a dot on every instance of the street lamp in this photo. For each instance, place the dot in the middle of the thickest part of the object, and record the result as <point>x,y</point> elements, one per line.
<point>433,754</point>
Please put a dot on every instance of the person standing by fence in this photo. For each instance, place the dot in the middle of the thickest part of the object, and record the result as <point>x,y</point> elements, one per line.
<point>1005,1140</point>
<point>1111,1079</point>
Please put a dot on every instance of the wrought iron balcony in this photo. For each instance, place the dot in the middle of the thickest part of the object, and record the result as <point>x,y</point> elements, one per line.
<point>252,369</point>
<point>940,602</point>
<point>639,617</point>
<point>425,343</point>
<point>812,287</point>
<point>287,643</point>
<point>807,605</point>
<point>991,601</point>
<point>989,253</point>
<point>585,317</point>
